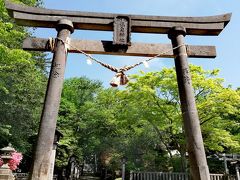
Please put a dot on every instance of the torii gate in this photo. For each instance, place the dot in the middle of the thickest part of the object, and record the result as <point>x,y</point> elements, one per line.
<point>122,25</point>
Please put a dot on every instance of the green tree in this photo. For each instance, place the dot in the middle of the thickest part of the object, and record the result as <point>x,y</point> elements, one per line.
<point>144,121</point>
<point>72,120</point>
<point>22,84</point>
<point>156,96</point>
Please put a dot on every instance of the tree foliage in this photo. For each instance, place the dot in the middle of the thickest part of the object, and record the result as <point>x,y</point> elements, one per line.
<point>22,84</point>
<point>144,123</point>
<point>72,120</point>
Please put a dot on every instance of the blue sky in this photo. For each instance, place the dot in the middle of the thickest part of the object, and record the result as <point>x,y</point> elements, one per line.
<point>227,43</point>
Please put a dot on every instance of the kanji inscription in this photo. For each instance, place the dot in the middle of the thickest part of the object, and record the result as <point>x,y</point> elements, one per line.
<point>56,68</point>
<point>121,33</point>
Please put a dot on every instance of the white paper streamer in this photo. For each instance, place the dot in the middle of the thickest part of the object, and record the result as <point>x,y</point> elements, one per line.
<point>145,63</point>
<point>67,44</point>
<point>89,61</point>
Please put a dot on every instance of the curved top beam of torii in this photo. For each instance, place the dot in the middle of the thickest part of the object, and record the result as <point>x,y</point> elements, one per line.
<point>40,17</point>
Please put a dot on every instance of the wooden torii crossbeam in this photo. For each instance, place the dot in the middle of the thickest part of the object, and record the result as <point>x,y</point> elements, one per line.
<point>107,48</point>
<point>122,26</point>
<point>38,17</point>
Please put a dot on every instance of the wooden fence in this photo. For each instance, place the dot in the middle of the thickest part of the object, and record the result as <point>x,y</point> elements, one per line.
<point>21,176</point>
<point>173,176</point>
<point>24,176</point>
<point>152,176</point>
<point>222,177</point>
<point>158,176</point>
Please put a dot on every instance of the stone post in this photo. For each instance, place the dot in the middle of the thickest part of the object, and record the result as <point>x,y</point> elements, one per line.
<point>57,137</point>
<point>124,160</point>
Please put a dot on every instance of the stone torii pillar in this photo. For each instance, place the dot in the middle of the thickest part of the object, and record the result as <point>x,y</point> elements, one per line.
<point>197,157</point>
<point>42,156</point>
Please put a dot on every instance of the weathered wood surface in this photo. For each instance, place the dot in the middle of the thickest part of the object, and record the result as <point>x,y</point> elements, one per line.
<point>40,17</point>
<point>107,47</point>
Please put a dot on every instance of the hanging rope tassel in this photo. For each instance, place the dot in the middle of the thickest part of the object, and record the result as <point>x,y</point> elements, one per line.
<point>51,44</point>
<point>119,79</point>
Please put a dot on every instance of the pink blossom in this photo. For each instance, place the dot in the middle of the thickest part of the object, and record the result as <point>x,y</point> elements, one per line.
<point>12,164</point>
<point>15,161</point>
<point>17,157</point>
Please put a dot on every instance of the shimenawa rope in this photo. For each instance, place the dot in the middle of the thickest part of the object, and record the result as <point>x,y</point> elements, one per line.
<point>120,78</point>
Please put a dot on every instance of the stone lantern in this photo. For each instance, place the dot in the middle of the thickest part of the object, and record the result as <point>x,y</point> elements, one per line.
<point>5,171</point>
